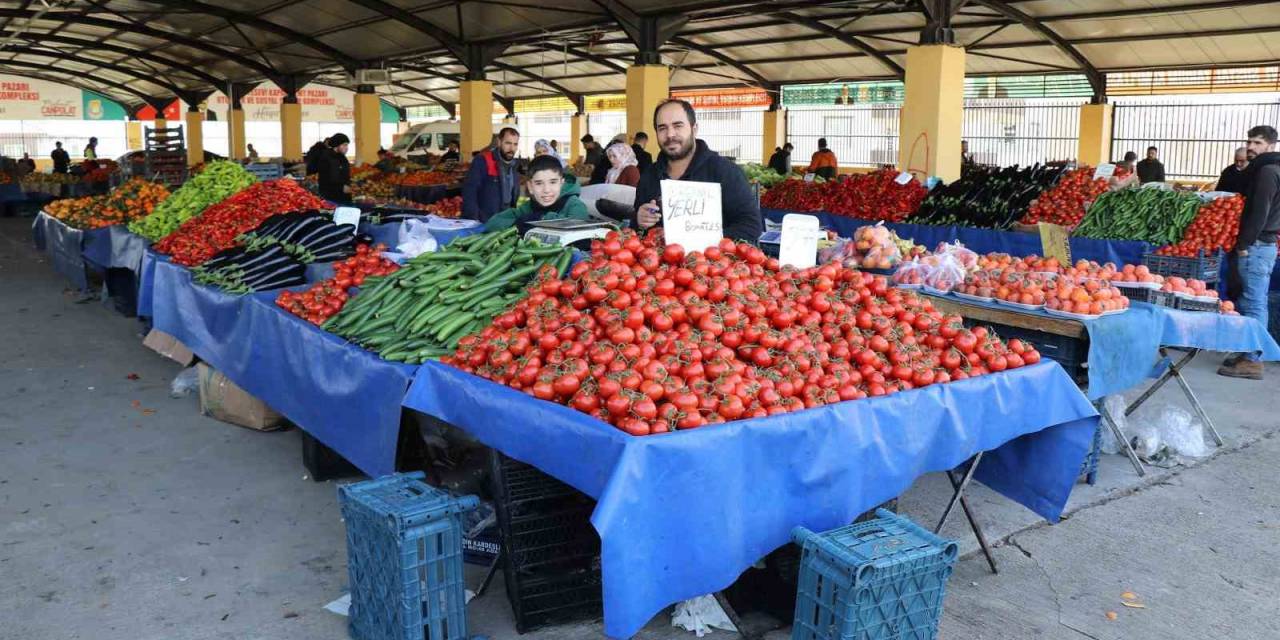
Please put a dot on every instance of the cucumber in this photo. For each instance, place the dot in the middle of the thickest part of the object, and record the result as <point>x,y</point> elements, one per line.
<point>453,324</point>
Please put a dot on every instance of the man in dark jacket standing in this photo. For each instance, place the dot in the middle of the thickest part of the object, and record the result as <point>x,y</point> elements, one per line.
<point>61,159</point>
<point>780,161</point>
<point>643,158</point>
<point>1151,169</point>
<point>333,171</point>
<point>1236,176</point>
<point>492,184</point>
<point>685,157</point>
<point>1255,251</point>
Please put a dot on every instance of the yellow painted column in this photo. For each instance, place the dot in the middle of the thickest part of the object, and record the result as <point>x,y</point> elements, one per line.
<point>195,137</point>
<point>235,134</point>
<point>161,123</point>
<point>775,132</point>
<point>647,85</point>
<point>475,114</point>
<point>368,129</point>
<point>577,129</point>
<point>133,134</point>
<point>1095,134</point>
<point>291,129</point>
<point>932,112</point>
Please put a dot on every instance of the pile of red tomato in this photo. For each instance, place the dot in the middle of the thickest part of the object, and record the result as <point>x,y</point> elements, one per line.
<point>327,297</point>
<point>1064,203</point>
<point>1215,228</point>
<point>651,339</point>
<point>450,207</point>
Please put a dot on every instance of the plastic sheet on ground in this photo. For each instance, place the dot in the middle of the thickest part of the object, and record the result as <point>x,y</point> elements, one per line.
<point>683,514</point>
<point>348,398</point>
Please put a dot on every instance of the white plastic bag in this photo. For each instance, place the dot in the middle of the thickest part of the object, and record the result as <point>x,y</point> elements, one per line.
<point>700,615</point>
<point>187,380</point>
<point>1115,405</point>
<point>1182,432</point>
<point>415,238</point>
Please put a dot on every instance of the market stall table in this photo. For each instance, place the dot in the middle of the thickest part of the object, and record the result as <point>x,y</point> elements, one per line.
<point>426,194</point>
<point>683,514</point>
<point>346,397</point>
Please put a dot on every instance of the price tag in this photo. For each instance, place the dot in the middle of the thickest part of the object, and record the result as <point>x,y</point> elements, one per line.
<point>808,177</point>
<point>347,215</point>
<point>800,235</point>
<point>903,178</point>
<point>1054,242</point>
<point>1104,171</point>
<point>691,214</point>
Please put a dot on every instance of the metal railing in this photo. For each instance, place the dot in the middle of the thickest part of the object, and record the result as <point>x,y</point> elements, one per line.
<point>733,133</point>
<point>859,135</point>
<point>1195,141</point>
<point>1007,132</point>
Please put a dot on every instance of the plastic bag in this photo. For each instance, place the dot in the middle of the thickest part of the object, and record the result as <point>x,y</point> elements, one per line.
<point>910,272</point>
<point>187,380</point>
<point>700,615</point>
<point>842,249</point>
<point>1164,434</point>
<point>1182,432</point>
<point>1115,405</point>
<point>415,238</point>
<point>964,256</point>
<point>946,274</point>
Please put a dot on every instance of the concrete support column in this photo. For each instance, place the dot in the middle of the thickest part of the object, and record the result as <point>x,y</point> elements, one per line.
<point>932,112</point>
<point>291,128</point>
<point>161,123</point>
<point>775,132</point>
<point>1095,134</point>
<point>475,114</point>
<point>577,129</point>
<point>235,133</point>
<point>647,85</point>
<point>133,134</point>
<point>368,125</point>
<point>195,136</point>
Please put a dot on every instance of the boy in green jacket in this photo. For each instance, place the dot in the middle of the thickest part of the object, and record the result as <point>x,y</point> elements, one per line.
<point>551,197</point>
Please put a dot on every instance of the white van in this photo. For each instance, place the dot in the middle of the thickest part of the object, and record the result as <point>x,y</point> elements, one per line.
<point>430,137</point>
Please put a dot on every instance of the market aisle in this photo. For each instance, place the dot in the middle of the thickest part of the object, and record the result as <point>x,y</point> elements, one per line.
<point>126,514</point>
<point>1200,550</point>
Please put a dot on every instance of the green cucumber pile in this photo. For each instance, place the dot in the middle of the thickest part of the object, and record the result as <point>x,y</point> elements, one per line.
<point>421,311</point>
<point>1152,215</point>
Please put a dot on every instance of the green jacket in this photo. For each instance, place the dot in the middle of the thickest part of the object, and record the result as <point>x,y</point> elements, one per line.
<point>569,206</point>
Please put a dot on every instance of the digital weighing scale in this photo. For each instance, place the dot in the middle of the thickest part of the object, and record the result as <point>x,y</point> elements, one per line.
<point>569,232</point>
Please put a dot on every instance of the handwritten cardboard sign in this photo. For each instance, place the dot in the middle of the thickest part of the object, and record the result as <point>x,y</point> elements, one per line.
<point>692,215</point>
<point>1104,171</point>
<point>1054,242</point>
<point>800,235</point>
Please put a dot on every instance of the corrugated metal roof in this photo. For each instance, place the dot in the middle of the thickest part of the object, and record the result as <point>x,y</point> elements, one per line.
<point>724,42</point>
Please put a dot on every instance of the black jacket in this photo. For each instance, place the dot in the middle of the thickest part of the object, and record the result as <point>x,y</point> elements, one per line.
<point>61,160</point>
<point>739,206</point>
<point>780,161</point>
<point>1233,180</point>
<point>1150,171</point>
<point>333,173</point>
<point>312,157</point>
<point>601,171</point>
<point>644,158</point>
<point>1261,219</point>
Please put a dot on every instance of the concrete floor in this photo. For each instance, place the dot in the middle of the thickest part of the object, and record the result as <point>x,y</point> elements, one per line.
<point>125,514</point>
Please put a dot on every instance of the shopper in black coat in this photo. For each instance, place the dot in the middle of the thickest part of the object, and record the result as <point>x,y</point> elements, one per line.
<point>334,171</point>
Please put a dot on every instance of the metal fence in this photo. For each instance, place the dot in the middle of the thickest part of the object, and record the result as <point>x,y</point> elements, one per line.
<point>38,137</point>
<point>733,133</point>
<point>544,126</point>
<point>859,135</point>
<point>1023,132</point>
<point>1195,141</point>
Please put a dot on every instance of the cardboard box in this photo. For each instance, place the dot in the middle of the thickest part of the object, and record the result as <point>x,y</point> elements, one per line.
<point>169,347</point>
<point>221,399</point>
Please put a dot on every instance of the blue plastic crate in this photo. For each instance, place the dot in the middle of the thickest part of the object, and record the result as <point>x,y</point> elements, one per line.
<point>264,171</point>
<point>404,559</point>
<point>883,579</point>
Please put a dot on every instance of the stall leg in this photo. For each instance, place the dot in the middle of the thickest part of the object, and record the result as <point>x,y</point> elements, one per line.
<point>1195,402</point>
<point>488,574</point>
<point>734,618</point>
<point>1164,377</point>
<point>1121,438</point>
<point>960,482</point>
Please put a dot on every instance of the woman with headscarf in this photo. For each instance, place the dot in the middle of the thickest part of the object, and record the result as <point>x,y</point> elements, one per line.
<point>544,148</point>
<point>625,168</point>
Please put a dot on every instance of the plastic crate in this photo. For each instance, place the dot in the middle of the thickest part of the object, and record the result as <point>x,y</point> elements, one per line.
<point>1202,267</point>
<point>264,171</point>
<point>551,552</point>
<point>1071,353</point>
<point>883,579</point>
<point>1150,296</point>
<point>1196,305</point>
<point>404,558</point>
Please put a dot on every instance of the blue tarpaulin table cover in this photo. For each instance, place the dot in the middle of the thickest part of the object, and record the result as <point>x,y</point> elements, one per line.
<point>683,514</point>
<point>64,245</point>
<point>1215,332</point>
<point>146,280</point>
<point>348,398</point>
<point>115,247</point>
